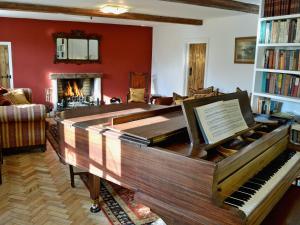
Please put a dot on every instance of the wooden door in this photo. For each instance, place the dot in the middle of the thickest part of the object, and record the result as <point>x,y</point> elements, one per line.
<point>5,76</point>
<point>197,57</point>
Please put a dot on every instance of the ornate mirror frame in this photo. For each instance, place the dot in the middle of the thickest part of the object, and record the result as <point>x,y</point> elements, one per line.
<point>76,34</point>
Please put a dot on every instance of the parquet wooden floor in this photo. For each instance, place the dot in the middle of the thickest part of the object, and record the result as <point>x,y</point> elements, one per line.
<point>36,191</point>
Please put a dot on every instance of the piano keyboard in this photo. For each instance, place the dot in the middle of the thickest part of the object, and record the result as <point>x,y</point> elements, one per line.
<point>252,193</point>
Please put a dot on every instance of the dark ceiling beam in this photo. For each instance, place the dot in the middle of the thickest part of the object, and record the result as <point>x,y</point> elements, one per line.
<point>95,13</point>
<point>221,4</point>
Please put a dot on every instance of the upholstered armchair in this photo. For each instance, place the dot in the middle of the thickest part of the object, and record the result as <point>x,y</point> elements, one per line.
<point>22,126</point>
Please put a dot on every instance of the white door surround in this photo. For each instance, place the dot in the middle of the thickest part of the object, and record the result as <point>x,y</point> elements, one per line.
<point>8,44</point>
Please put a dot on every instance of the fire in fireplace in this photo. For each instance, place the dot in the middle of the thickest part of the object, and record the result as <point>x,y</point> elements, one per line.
<point>72,90</point>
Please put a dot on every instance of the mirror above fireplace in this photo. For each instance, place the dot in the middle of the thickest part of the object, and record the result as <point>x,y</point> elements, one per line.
<point>77,47</point>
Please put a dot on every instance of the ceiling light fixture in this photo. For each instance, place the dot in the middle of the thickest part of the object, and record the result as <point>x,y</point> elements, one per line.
<point>114,9</point>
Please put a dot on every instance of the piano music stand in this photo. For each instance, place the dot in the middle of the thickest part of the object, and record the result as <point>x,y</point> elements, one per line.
<point>194,131</point>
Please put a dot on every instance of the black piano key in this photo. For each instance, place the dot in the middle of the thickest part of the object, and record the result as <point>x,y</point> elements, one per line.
<point>228,203</point>
<point>263,176</point>
<point>258,181</point>
<point>257,177</point>
<point>241,196</point>
<point>247,190</point>
<point>252,186</point>
<point>268,173</point>
<point>234,201</point>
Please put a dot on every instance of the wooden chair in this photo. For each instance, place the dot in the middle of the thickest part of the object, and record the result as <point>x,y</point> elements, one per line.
<point>139,80</point>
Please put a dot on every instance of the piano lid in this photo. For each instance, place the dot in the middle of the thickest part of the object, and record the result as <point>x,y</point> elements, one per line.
<point>150,127</point>
<point>96,117</point>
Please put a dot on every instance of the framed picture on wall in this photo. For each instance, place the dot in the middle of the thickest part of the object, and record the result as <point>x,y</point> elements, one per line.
<point>244,52</point>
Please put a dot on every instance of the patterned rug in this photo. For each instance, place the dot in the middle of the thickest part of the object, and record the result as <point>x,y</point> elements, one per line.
<point>120,208</point>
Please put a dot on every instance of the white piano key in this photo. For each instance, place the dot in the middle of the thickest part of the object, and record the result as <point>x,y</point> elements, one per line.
<point>261,194</point>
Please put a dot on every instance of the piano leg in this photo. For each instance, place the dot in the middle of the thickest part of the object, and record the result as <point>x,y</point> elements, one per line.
<point>94,188</point>
<point>72,176</point>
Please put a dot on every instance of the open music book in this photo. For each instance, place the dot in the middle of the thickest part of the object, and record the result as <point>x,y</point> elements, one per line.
<point>220,120</point>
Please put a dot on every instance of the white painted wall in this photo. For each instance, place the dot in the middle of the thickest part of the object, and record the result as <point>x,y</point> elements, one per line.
<point>170,48</point>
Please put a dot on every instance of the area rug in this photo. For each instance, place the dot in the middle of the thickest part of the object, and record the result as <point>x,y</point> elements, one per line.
<point>120,208</point>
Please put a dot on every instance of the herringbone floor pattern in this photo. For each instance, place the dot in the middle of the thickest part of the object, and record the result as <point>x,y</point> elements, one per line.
<point>36,191</point>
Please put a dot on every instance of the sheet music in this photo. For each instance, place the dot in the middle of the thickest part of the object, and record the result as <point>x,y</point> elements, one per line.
<point>220,120</point>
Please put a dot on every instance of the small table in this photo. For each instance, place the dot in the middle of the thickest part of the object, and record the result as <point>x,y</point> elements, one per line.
<point>153,98</point>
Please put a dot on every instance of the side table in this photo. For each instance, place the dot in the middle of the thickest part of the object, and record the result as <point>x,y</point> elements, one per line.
<point>153,98</point>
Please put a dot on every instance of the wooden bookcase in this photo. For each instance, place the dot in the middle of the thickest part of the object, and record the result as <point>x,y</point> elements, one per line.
<point>289,103</point>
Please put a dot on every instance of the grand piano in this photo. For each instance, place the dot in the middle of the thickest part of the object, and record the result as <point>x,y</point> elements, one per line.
<point>159,153</point>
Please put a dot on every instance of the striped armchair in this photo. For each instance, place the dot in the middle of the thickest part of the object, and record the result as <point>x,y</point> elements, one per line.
<point>22,126</point>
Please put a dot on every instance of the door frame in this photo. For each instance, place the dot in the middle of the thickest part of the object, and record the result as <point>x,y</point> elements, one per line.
<point>8,44</point>
<point>186,64</point>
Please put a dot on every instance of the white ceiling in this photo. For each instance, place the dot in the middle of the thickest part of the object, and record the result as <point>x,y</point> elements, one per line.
<point>155,7</point>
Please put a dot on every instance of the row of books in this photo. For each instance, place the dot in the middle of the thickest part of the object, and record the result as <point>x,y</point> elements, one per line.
<point>280,31</point>
<point>281,7</point>
<point>282,59</point>
<point>281,84</point>
<point>268,106</point>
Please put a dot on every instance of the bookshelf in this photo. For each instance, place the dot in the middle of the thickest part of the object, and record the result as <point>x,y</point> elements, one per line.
<point>277,62</point>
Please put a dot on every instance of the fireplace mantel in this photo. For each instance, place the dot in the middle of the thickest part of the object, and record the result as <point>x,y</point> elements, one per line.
<point>55,76</point>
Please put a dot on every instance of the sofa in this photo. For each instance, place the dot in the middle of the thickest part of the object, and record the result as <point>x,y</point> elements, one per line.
<point>22,126</point>
<point>194,94</point>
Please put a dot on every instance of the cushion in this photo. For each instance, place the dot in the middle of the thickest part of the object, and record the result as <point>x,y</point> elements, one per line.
<point>17,97</point>
<point>136,95</point>
<point>238,89</point>
<point>3,90</point>
<point>4,101</point>
<point>202,90</point>
<point>179,101</point>
<point>197,96</point>
<point>178,97</point>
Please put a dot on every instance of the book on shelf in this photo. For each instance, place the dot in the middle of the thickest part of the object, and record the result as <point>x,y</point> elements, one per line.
<point>280,31</point>
<point>282,59</point>
<point>220,120</point>
<point>296,182</point>
<point>280,84</point>
<point>295,133</point>
<point>281,7</point>
<point>268,106</point>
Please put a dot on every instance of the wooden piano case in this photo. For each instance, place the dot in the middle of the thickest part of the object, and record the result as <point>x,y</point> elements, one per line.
<point>159,153</point>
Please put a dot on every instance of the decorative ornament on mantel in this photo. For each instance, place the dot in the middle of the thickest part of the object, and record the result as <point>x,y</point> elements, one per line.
<point>114,9</point>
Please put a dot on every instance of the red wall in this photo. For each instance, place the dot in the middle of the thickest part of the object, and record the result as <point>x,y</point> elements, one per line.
<point>123,49</point>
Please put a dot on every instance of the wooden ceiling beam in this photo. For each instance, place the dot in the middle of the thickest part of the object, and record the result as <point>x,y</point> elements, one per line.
<point>95,13</point>
<point>221,4</point>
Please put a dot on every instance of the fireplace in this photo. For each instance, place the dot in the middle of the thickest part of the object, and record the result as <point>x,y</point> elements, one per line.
<point>75,90</point>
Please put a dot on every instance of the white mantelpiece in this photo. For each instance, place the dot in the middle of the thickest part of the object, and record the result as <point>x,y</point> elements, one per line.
<point>56,76</point>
